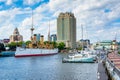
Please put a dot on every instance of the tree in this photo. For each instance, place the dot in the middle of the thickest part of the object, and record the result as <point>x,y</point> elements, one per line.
<point>46,42</point>
<point>2,47</point>
<point>54,44</point>
<point>80,48</point>
<point>12,45</point>
<point>61,46</point>
<point>27,42</point>
<point>119,52</point>
<point>20,43</point>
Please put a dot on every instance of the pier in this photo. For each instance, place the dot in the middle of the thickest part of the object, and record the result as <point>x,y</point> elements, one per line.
<point>112,65</point>
<point>102,75</point>
<point>109,67</point>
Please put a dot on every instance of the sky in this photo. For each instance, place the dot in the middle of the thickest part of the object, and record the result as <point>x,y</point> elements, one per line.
<point>100,18</point>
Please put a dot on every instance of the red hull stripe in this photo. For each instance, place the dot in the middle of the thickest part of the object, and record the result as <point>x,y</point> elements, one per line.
<point>28,55</point>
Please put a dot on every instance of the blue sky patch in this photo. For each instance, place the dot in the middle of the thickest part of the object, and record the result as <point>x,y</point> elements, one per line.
<point>107,10</point>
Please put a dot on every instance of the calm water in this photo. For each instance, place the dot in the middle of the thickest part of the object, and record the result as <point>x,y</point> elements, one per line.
<point>45,68</point>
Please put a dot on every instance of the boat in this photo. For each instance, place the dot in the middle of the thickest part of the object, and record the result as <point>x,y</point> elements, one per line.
<point>36,48</point>
<point>26,52</point>
<point>91,53</point>
<point>83,56</point>
<point>78,58</point>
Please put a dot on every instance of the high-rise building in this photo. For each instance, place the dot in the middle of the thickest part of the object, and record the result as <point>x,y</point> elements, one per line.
<point>66,29</point>
<point>38,37</point>
<point>53,38</point>
<point>16,37</point>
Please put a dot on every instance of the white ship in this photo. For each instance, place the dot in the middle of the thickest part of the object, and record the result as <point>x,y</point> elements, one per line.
<point>26,52</point>
<point>40,49</point>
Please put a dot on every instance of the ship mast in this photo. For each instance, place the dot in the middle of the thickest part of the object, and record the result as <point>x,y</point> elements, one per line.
<point>82,35</point>
<point>49,32</point>
<point>32,29</point>
<point>87,38</point>
<point>115,36</point>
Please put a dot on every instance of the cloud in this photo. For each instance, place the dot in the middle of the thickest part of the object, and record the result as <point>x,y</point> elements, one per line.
<point>91,13</point>
<point>31,2</point>
<point>9,2</point>
<point>7,16</point>
<point>2,0</point>
<point>6,31</point>
<point>8,21</point>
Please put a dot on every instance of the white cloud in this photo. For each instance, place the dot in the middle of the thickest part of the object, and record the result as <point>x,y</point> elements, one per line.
<point>6,31</point>
<point>9,2</point>
<point>7,16</point>
<point>31,2</point>
<point>2,0</point>
<point>90,13</point>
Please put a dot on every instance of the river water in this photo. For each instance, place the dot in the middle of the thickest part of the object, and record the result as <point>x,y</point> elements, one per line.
<point>45,68</point>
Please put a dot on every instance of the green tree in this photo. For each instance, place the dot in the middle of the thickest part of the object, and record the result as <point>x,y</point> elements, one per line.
<point>2,47</point>
<point>119,52</point>
<point>45,42</point>
<point>27,42</point>
<point>80,48</point>
<point>61,46</point>
<point>20,43</point>
<point>54,44</point>
<point>12,45</point>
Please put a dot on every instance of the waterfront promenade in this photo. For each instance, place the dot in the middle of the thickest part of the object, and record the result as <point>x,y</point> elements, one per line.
<point>115,59</point>
<point>113,65</point>
<point>102,72</point>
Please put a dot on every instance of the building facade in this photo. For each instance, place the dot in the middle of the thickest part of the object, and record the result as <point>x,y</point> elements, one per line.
<point>53,38</point>
<point>107,45</point>
<point>16,37</point>
<point>84,43</point>
<point>38,37</point>
<point>66,29</point>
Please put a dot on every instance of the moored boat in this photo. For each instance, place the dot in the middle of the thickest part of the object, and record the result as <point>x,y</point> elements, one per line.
<point>25,52</point>
<point>79,58</point>
<point>37,47</point>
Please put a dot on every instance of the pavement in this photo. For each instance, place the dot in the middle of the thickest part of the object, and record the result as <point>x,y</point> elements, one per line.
<point>102,75</point>
<point>114,58</point>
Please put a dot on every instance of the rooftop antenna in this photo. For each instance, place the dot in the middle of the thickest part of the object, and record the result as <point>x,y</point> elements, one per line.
<point>32,29</point>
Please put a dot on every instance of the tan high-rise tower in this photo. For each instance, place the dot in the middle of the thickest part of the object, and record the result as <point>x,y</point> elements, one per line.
<point>66,29</point>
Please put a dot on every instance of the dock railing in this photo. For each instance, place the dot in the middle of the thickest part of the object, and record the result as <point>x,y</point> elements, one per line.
<point>115,69</point>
